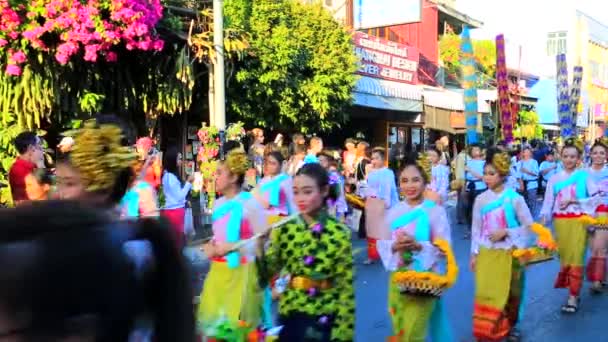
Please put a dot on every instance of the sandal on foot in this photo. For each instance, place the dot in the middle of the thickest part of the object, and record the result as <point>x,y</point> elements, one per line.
<point>596,289</point>
<point>570,308</point>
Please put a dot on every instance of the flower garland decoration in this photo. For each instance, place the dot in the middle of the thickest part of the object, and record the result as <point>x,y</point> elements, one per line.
<point>207,158</point>
<point>235,131</point>
<point>545,243</point>
<point>428,281</point>
<point>66,29</point>
<point>594,221</point>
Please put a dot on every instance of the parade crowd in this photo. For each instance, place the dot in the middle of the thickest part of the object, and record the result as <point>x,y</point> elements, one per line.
<point>93,249</point>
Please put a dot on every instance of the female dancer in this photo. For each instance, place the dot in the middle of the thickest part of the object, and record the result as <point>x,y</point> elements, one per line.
<point>562,203</point>
<point>231,296</point>
<point>596,267</point>
<point>338,207</point>
<point>501,221</point>
<point>412,226</point>
<point>275,190</point>
<point>275,193</point>
<point>315,249</point>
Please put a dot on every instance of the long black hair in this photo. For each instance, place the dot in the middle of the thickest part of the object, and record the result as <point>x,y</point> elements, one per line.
<point>170,161</point>
<point>321,177</point>
<point>70,275</point>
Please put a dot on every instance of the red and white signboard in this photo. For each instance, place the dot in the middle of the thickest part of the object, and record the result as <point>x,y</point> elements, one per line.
<point>387,60</point>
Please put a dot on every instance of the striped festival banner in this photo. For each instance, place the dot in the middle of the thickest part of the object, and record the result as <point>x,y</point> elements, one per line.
<point>575,95</point>
<point>506,119</point>
<point>563,97</point>
<point>469,84</point>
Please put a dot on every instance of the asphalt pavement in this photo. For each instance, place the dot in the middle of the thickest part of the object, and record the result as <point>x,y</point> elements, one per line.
<point>542,320</point>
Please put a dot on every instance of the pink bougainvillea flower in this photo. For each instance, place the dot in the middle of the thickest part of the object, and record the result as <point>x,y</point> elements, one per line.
<point>3,42</point>
<point>111,56</point>
<point>13,70</point>
<point>18,57</point>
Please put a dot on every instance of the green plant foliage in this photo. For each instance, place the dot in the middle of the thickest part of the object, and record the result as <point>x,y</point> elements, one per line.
<point>485,57</point>
<point>527,125</point>
<point>300,68</point>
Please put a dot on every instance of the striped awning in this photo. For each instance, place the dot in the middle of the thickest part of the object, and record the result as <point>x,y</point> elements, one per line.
<point>380,87</point>
<point>453,99</point>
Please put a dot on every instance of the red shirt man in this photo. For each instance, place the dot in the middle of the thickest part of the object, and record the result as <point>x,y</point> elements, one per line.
<point>30,156</point>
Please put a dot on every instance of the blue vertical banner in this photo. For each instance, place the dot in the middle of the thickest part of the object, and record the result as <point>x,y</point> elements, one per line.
<point>469,84</point>
<point>563,98</point>
<point>575,96</point>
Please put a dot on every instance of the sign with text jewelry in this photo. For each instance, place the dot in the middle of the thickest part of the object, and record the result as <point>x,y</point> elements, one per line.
<point>387,60</point>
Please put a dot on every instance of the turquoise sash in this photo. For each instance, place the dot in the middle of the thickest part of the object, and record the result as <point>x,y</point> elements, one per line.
<point>423,226</point>
<point>273,188</point>
<point>579,179</point>
<point>506,202</point>
<point>130,201</point>
<point>234,208</point>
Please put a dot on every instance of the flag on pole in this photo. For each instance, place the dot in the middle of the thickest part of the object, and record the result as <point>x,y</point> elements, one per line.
<point>575,95</point>
<point>469,84</point>
<point>563,97</point>
<point>506,118</point>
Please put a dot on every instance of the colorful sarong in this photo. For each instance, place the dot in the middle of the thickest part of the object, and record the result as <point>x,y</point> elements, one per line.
<point>231,297</point>
<point>498,292</point>
<point>572,242</point>
<point>410,315</point>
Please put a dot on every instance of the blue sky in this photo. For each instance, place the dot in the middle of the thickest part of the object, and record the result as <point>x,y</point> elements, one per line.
<point>518,17</point>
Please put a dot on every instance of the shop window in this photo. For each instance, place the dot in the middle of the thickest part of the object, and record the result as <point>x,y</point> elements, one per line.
<point>557,43</point>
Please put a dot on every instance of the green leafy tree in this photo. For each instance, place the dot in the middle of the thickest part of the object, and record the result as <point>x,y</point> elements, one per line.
<point>485,57</point>
<point>300,68</point>
<point>527,125</point>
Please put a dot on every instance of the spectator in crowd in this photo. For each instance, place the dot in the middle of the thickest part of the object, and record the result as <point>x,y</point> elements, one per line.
<point>31,156</point>
<point>38,185</point>
<point>71,280</point>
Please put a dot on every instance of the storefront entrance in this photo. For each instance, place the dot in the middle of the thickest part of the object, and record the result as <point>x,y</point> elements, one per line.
<point>402,141</point>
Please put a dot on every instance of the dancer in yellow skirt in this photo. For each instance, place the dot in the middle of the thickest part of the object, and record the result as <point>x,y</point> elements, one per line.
<point>410,231</point>
<point>563,196</point>
<point>501,221</point>
<point>596,266</point>
<point>230,305</point>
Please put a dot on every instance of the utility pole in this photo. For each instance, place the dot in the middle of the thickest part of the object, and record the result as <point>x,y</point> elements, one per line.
<point>218,69</point>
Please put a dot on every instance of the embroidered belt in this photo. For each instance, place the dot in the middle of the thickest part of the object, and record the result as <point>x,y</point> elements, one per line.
<point>244,260</point>
<point>567,215</point>
<point>305,283</point>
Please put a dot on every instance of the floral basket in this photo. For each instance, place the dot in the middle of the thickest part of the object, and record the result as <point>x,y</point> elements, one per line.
<point>429,284</point>
<point>545,245</point>
<point>355,201</point>
<point>598,223</point>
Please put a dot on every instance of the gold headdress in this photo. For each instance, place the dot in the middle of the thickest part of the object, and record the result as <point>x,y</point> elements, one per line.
<point>502,163</point>
<point>237,162</point>
<point>425,165</point>
<point>575,142</point>
<point>99,155</point>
